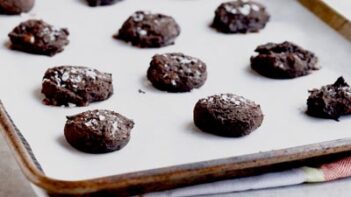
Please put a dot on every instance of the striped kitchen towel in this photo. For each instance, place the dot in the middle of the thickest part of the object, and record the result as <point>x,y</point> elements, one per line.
<point>326,172</point>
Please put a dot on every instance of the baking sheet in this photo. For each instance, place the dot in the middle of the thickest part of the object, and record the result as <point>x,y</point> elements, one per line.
<point>164,134</point>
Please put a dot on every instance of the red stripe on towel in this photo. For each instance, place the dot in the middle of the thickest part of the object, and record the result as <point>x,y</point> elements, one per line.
<point>338,169</point>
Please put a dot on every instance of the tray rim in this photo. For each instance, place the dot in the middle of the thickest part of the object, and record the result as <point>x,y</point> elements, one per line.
<point>180,175</point>
<point>330,16</point>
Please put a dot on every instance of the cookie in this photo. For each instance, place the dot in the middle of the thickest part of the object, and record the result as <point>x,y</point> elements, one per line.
<point>98,131</point>
<point>94,3</point>
<point>227,115</point>
<point>240,16</point>
<point>176,72</point>
<point>75,85</point>
<point>283,61</point>
<point>38,37</point>
<point>330,101</point>
<point>14,7</point>
<point>149,30</point>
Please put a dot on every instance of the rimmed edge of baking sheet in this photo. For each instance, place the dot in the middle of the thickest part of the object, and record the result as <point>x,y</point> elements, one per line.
<point>330,16</point>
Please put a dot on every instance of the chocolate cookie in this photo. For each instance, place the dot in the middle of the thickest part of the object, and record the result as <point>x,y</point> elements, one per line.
<point>176,72</point>
<point>38,37</point>
<point>98,131</point>
<point>240,16</point>
<point>78,85</point>
<point>283,61</point>
<point>149,30</point>
<point>13,7</point>
<point>95,3</point>
<point>227,115</point>
<point>330,101</point>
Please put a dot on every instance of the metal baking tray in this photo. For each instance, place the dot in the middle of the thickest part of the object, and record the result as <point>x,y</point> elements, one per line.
<point>166,150</point>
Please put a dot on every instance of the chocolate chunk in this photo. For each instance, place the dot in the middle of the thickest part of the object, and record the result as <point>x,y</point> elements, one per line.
<point>95,3</point>
<point>78,85</point>
<point>38,37</point>
<point>149,30</point>
<point>14,7</point>
<point>283,61</point>
<point>240,17</point>
<point>98,131</point>
<point>176,72</point>
<point>330,101</point>
<point>227,115</point>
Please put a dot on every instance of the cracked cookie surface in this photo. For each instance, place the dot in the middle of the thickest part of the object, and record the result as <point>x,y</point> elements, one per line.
<point>240,16</point>
<point>283,61</point>
<point>38,37</point>
<point>75,85</point>
<point>176,72</point>
<point>227,115</point>
<point>330,101</point>
<point>98,131</point>
<point>149,30</point>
